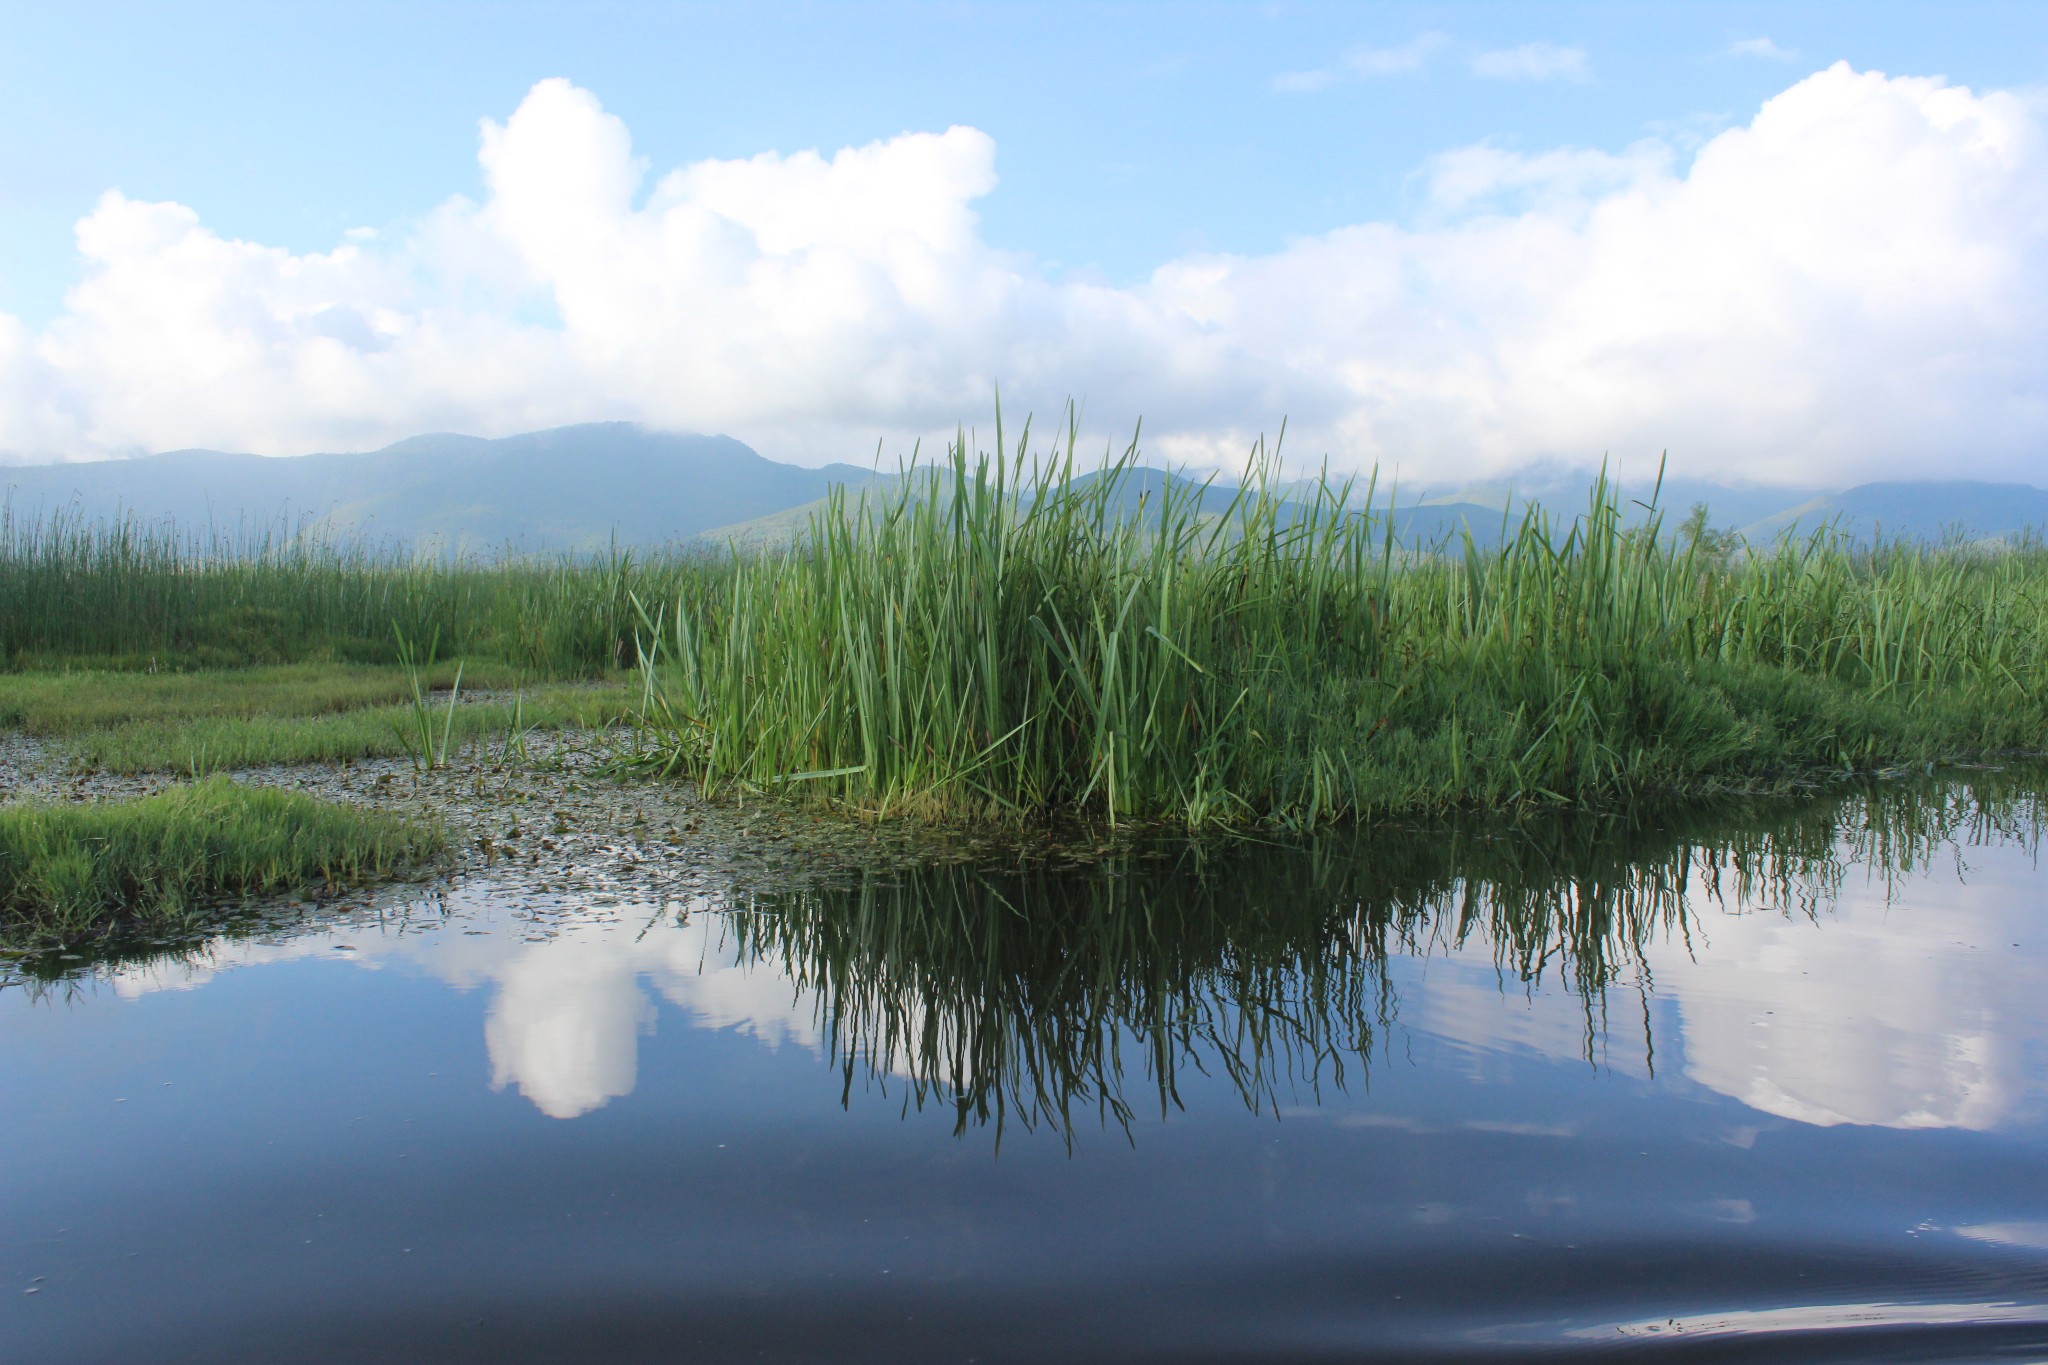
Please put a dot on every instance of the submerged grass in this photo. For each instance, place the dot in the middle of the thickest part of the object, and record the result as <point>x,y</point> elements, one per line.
<point>70,870</point>
<point>999,640</point>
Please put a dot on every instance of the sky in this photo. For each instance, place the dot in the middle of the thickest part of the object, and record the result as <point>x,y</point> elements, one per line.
<point>1788,244</point>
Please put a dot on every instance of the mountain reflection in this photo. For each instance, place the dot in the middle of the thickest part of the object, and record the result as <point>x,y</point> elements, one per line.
<point>1838,959</point>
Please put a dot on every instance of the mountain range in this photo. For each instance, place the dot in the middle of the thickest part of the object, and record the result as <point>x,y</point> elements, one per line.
<point>584,487</point>
<point>573,488</point>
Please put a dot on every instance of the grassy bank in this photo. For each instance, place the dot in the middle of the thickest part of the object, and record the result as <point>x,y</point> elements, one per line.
<point>76,700</point>
<point>152,596</point>
<point>218,720</point>
<point>1012,645</point>
<point>997,640</point>
<point>73,870</point>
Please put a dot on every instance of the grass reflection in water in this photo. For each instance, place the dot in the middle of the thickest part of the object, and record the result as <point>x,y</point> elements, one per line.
<point>1024,994</point>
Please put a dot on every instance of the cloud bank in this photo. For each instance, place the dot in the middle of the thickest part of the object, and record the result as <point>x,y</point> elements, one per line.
<point>1850,286</point>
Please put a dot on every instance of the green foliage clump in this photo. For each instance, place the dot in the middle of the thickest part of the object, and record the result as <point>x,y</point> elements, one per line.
<point>998,638</point>
<point>78,868</point>
<point>143,596</point>
<point>1002,640</point>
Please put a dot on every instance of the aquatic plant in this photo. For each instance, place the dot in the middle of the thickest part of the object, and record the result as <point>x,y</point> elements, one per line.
<point>1007,638</point>
<point>1020,638</point>
<point>415,732</point>
<point>152,596</point>
<point>215,720</point>
<point>80,868</point>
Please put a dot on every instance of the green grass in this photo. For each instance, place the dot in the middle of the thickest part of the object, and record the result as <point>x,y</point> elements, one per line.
<point>69,701</point>
<point>294,713</point>
<point>155,597</point>
<point>211,745</point>
<point>991,642</point>
<point>1007,646</point>
<point>70,870</point>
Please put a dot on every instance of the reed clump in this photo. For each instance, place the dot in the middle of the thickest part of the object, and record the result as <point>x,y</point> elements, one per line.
<point>153,596</point>
<point>81,868</point>
<point>999,639</point>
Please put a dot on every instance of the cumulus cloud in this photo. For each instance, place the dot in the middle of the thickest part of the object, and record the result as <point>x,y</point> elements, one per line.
<point>1851,285</point>
<point>1533,62</point>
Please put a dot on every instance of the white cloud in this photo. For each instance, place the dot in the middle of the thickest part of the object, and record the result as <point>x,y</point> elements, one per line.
<point>1761,47</point>
<point>1870,1015</point>
<point>1850,286</point>
<point>1558,183</point>
<point>1304,82</point>
<point>1533,62</point>
<point>1882,1008</point>
<point>567,1010</point>
<point>1393,61</point>
<point>1365,63</point>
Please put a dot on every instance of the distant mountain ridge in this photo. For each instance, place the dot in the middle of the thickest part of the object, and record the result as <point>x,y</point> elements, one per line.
<point>584,487</point>
<point>1923,509</point>
<point>566,488</point>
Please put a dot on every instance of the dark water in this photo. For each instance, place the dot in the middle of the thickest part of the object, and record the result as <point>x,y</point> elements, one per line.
<point>1759,1085</point>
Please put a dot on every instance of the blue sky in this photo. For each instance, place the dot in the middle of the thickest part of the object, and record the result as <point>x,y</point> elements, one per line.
<point>1125,137</point>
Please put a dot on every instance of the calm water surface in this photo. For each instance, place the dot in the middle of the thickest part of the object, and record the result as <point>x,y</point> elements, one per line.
<point>1769,1085</point>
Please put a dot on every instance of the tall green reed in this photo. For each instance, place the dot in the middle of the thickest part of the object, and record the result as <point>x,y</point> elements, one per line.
<point>415,732</point>
<point>132,593</point>
<point>999,637</point>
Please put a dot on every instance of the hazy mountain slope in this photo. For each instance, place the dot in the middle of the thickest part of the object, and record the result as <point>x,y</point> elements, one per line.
<point>1675,499</point>
<point>576,487</point>
<point>1920,510</point>
<point>1139,492</point>
<point>571,487</point>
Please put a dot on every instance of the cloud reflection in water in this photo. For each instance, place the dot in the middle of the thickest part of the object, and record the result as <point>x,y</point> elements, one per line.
<point>1830,963</point>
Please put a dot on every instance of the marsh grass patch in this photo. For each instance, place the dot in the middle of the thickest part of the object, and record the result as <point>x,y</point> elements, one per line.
<point>1014,639</point>
<point>68,870</point>
<point>68,701</point>
<point>214,745</point>
<point>219,720</point>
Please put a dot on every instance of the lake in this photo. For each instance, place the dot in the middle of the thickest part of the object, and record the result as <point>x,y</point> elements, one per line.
<point>1766,1081</point>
